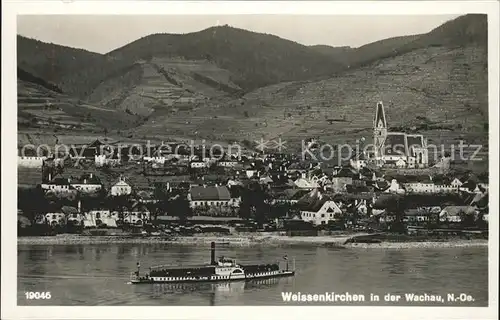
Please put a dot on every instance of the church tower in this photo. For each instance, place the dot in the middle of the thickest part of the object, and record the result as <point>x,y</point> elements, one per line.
<point>379,129</point>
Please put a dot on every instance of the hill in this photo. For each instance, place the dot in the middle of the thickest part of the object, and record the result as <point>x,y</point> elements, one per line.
<point>43,107</point>
<point>254,59</point>
<point>162,86</point>
<point>440,77</point>
<point>75,72</point>
<point>340,54</point>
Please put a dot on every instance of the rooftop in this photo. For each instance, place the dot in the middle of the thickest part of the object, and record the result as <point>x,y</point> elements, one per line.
<point>210,193</point>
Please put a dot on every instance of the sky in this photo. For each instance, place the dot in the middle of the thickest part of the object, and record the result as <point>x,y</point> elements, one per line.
<point>104,33</point>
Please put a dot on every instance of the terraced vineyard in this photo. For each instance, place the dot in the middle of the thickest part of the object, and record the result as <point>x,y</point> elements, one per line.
<point>445,87</point>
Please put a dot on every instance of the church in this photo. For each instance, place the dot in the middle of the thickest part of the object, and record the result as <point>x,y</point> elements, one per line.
<point>397,149</point>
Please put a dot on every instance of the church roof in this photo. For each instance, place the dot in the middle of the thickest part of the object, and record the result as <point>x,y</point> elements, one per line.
<point>416,141</point>
<point>380,115</point>
<point>395,144</point>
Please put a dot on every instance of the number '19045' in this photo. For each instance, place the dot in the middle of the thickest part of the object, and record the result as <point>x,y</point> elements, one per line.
<point>37,295</point>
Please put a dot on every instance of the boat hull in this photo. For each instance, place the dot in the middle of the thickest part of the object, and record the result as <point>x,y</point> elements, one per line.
<point>214,278</point>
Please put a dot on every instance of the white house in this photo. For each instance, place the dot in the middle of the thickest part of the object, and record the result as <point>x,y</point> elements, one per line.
<point>155,159</point>
<point>400,163</point>
<point>198,164</point>
<point>456,183</point>
<point>357,164</point>
<point>320,210</point>
<point>395,187</point>
<point>420,187</point>
<point>250,173</point>
<point>227,163</point>
<point>55,218</point>
<point>58,185</point>
<point>30,162</point>
<point>121,188</point>
<point>88,183</point>
<point>234,202</point>
<point>232,182</point>
<point>304,183</point>
<point>95,218</point>
<point>101,160</point>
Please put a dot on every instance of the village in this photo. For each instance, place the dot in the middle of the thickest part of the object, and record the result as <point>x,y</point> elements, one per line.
<point>172,190</point>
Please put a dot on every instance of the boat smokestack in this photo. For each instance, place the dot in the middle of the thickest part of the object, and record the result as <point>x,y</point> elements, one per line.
<point>212,253</point>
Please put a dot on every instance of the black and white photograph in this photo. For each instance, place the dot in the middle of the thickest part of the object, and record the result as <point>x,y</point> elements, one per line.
<point>224,159</point>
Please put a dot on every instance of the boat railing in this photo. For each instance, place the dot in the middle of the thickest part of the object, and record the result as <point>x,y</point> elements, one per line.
<point>170,266</point>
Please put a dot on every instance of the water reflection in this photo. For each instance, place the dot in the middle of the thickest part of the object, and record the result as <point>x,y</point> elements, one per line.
<point>395,261</point>
<point>218,289</point>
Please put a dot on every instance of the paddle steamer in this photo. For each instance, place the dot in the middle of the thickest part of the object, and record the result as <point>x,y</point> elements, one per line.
<point>223,269</point>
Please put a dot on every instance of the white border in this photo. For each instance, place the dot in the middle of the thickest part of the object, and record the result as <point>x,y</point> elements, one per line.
<point>9,161</point>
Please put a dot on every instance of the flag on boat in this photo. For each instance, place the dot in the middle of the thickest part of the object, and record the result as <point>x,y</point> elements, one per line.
<point>285,257</point>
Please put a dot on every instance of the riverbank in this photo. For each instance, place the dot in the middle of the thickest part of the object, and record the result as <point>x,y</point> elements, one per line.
<point>264,240</point>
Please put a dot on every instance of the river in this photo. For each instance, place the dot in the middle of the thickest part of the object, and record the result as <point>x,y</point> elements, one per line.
<point>98,274</point>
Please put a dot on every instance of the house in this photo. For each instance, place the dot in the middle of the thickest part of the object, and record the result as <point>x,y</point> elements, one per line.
<point>121,188</point>
<point>102,160</point>
<point>443,164</point>
<point>290,196</point>
<point>58,184</point>
<point>233,182</point>
<point>227,163</point>
<point>30,162</point>
<point>250,173</point>
<point>198,164</point>
<point>420,187</point>
<point>90,151</point>
<point>341,178</point>
<point>455,213</point>
<point>358,161</point>
<point>400,163</point>
<point>416,215</point>
<point>87,183</point>
<point>321,211</point>
<point>55,219</point>
<point>456,183</point>
<point>265,180</point>
<point>155,159</point>
<point>31,157</point>
<point>384,216</point>
<point>75,218</point>
<point>138,214</point>
<point>422,184</point>
<point>305,183</point>
<point>154,154</point>
<point>395,187</point>
<point>99,217</point>
<point>201,196</point>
